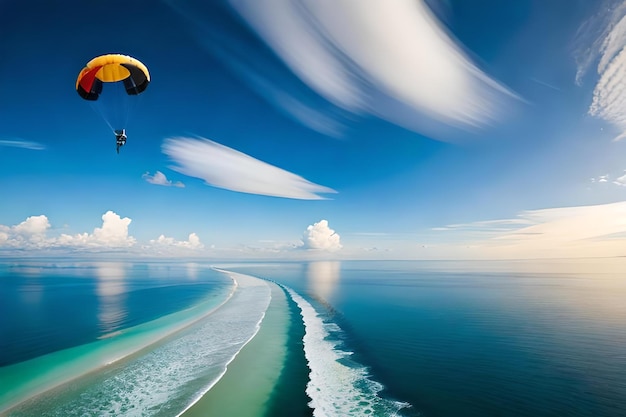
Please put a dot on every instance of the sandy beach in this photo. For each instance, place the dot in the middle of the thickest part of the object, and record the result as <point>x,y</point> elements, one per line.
<point>247,386</point>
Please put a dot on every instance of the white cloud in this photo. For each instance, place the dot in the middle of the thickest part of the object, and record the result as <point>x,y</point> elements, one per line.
<point>32,234</point>
<point>597,231</point>
<point>603,38</point>
<point>305,114</point>
<point>33,226</point>
<point>368,58</point>
<point>486,225</point>
<point>336,61</point>
<point>311,115</point>
<point>621,181</point>
<point>29,234</point>
<point>193,242</point>
<point>160,179</point>
<point>22,144</point>
<point>607,179</point>
<point>584,231</point>
<point>227,168</point>
<point>601,179</point>
<point>320,236</point>
<point>112,234</point>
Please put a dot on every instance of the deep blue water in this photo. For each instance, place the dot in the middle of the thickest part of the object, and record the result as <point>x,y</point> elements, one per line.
<point>457,343</point>
<point>46,306</point>
<point>450,339</point>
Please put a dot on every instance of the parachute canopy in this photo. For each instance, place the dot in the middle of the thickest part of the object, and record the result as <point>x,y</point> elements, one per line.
<point>112,68</point>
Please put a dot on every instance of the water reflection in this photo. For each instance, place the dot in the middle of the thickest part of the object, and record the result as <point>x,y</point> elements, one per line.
<point>31,292</point>
<point>581,288</point>
<point>30,289</point>
<point>323,277</point>
<point>111,291</point>
<point>192,271</point>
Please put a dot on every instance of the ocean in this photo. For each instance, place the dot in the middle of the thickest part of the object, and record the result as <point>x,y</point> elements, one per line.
<point>326,338</point>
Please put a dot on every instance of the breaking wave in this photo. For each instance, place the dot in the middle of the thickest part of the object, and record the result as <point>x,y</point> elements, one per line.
<point>171,377</point>
<point>338,385</point>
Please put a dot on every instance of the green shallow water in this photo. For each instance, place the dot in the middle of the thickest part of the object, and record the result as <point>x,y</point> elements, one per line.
<point>246,388</point>
<point>24,380</point>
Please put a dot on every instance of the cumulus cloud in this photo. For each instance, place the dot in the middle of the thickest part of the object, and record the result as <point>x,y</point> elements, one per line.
<point>193,242</point>
<point>32,234</point>
<point>229,169</point>
<point>320,236</point>
<point>113,233</point>
<point>602,39</point>
<point>22,144</point>
<point>367,59</point>
<point>160,179</point>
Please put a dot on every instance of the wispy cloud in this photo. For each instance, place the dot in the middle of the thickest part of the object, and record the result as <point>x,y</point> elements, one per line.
<point>607,179</point>
<point>23,144</point>
<point>569,224</point>
<point>365,59</point>
<point>621,181</point>
<point>302,108</point>
<point>503,224</point>
<point>160,179</point>
<point>226,168</point>
<point>602,39</point>
<point>560,232</point>
<point>545,84</point>
<point>600,179</point>
<point>369,58</point>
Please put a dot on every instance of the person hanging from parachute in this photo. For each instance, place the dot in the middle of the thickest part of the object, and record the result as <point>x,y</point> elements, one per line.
<point>124,77</point>
<point>120,136</point>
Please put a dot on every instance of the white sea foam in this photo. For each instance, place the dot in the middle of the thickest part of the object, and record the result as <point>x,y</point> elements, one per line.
<point>338,387</point>
<point>176,374</point>
<point>36,376</point>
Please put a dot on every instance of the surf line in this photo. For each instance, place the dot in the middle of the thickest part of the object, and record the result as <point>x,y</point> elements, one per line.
<point>336,388</point>
<point>98,354</point>
<point>233,276</point>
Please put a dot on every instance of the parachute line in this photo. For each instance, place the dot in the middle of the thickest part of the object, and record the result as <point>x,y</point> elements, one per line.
<point>105,73</point>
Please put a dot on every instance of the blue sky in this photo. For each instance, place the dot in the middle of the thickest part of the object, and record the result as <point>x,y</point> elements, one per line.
<point>392,129</point>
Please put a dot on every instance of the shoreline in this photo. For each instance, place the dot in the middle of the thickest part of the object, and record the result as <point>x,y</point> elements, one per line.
<point>254,371</point>
<point>55,378</point>
<point>251,374</point>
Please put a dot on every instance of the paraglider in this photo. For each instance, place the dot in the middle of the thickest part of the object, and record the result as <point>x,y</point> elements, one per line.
<point>112,81</point>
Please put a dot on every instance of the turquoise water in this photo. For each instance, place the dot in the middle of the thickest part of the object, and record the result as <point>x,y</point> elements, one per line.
<point>169,376</point>
<point>75,351</point>
<point>50,305</point>
<point>366,338</point>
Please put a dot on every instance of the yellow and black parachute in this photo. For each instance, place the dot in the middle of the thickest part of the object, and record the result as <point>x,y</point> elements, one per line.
<point>112,68</point>
<point>111,83</point>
